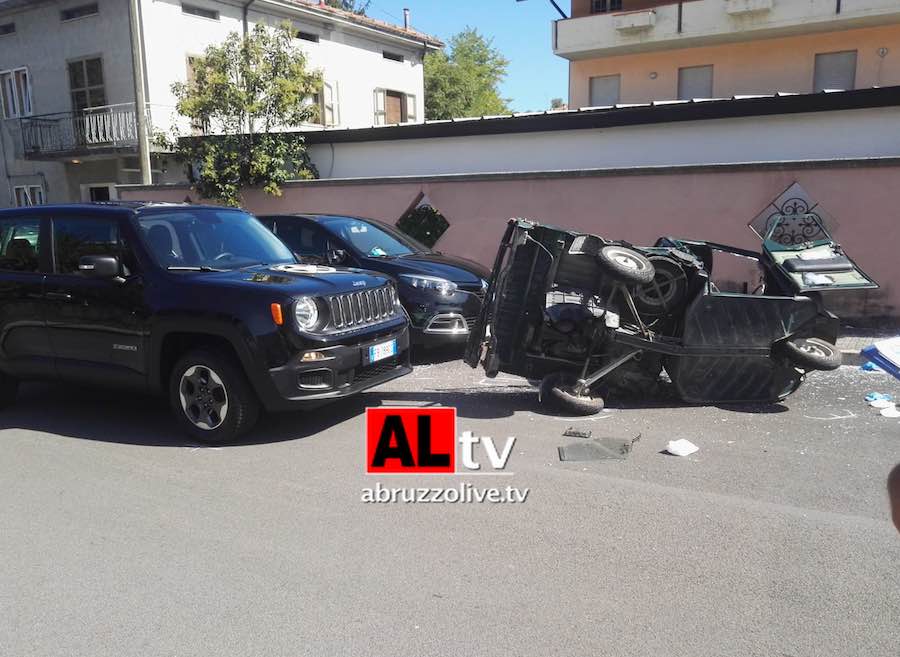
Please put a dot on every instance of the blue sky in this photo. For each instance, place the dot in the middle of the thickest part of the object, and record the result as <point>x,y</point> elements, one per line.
<point>520,30</point>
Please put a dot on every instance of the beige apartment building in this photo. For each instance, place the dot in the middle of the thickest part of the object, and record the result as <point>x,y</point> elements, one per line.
<point>636,51</point>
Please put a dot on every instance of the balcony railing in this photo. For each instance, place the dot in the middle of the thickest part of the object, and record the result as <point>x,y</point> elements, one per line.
<point>647,25</point>
<point>110,127</point>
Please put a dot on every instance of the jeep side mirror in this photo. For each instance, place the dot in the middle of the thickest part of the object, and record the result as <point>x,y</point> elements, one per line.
<point>336,256</point>
<point>99,266</point>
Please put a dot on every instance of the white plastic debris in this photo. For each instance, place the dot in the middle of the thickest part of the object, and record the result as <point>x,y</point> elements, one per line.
<point>810,278</point>
<point>881,403</point>
<point>890,411</point>
<point>681,447</point>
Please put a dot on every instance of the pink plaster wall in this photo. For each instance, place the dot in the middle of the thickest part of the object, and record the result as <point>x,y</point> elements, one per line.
<point>709,205</point>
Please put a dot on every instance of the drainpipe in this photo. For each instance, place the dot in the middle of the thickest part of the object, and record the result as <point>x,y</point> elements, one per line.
<point>246,12</point>
<point>246,27</point>
<point>140,99</point>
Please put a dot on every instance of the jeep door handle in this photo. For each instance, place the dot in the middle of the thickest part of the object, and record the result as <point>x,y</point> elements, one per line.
<point>58,296</point>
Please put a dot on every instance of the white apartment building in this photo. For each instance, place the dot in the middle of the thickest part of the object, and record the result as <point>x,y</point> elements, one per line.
<point>68,128</point>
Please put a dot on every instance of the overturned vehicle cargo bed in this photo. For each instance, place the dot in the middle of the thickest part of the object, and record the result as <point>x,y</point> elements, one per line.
<point>591,317</point>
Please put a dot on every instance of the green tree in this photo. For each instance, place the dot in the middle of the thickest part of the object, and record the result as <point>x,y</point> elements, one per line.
<point>356,6</point>
<point>245,95</point>
<point>465,82</point>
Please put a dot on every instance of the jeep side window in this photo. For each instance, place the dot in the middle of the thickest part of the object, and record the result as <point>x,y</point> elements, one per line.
<point>85,236</point>
<point>20,244</point>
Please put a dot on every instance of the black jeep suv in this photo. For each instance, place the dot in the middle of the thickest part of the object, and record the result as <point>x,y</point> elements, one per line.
<point>201,302</point>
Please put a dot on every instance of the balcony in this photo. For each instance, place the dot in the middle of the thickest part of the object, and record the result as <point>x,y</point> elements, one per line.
<point>97,130</point>
<point>645,25</point>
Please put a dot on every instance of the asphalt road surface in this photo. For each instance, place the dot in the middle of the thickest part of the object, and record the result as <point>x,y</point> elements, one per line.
<point>117,538</point>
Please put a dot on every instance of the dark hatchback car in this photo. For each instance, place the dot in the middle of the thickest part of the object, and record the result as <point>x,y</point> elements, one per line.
<point>200,303</point>
<point>442,294</point>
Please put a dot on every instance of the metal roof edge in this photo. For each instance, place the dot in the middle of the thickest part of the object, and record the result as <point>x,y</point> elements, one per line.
<point>611,117</point>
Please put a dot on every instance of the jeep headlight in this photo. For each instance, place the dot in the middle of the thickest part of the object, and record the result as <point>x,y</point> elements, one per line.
<point>440,285</point>
<point>306,312</point>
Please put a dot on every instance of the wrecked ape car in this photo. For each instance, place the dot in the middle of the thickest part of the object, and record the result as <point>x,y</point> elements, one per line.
<point>590,316</point>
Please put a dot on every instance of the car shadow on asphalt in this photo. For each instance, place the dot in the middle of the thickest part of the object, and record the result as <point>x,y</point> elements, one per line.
<point>436,355</point>
<point>135,419</point>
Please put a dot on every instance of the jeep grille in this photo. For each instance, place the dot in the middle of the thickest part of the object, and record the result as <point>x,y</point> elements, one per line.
<point>354,310</point>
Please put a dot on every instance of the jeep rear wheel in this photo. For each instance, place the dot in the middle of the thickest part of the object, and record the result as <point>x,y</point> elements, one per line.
<point>211,398</point>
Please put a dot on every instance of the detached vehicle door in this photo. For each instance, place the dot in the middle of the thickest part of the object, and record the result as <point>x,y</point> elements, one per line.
<point>24,254</point>
<point>804,257</point>
<point>97,320</point>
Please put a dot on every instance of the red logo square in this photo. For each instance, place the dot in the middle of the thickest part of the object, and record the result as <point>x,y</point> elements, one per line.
<point>410,440</point>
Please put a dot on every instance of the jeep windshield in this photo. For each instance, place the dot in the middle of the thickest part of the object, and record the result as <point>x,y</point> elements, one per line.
<point>209,239</point>
<point>371,240</point>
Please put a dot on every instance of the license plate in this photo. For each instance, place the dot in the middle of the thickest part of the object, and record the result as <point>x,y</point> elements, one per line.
<point>382,351</point>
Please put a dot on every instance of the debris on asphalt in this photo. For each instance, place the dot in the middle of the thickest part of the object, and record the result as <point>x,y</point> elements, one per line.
<point>681,447</point>
<point>869,366</point>
<point>891,411</point>
<point>885,354</point>
<point>598,449</point>
<point>572,432</point>
<point>879,400</point>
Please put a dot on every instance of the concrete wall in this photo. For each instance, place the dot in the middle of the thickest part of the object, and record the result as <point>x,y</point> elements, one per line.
<point>751,67</point>
<point>822,135</point>
<point>702,203</point>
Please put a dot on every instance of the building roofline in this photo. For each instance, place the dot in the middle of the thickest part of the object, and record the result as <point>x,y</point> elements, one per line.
<point>365,23</point>
<point>619,116</point>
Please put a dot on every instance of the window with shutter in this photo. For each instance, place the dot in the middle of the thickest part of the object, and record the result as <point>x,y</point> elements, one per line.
<point>695,82</point>
<point>379,107</point>
<point>411,113</point>
<point>604,90</point>
<point>835,70</point>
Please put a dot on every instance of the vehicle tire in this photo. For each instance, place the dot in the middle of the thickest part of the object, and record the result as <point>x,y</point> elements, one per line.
<point>211,398</point>
<point>626,265</point>
<point>9,389</point>
<point>556,391</point>
<point>665,292</point>
<point>811,354</point>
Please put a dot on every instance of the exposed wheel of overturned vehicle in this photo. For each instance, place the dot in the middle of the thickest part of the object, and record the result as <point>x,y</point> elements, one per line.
<point>811,354</point>
<point>625,265</point>
<point>665,292</point>
<point>557,390</point>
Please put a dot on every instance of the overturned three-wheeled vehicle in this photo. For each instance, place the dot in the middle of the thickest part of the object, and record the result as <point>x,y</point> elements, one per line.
<point>591,317</point>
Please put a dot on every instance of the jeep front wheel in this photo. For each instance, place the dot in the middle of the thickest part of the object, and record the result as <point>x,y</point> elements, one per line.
<point>211,398</point>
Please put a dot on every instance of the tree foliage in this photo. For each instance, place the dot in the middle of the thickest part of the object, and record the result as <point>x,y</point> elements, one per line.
<point>465,82</point>
<point>356,6</point>
<point>244,95</point>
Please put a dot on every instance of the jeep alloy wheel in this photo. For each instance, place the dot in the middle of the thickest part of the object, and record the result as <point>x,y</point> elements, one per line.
<point>210,396</point>
<point>204,398</point>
